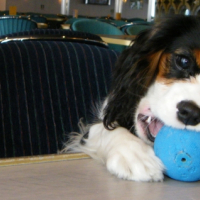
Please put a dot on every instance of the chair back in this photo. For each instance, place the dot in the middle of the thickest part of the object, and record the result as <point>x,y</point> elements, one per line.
<point>136,20</point>
<point>119,23</point>
<point>135,29</point>
<point>46,87</point>
<point>38,18</point>
<point>72,20</point>
<point>9,25</point>
<point>95,27</point>
<point>100,28</point>
<point>109,21</point>
<point>54,35</point>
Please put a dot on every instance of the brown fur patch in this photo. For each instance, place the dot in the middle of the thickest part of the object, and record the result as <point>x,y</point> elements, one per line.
<point>158,62</point>
<point>197,56</point>
<point>163,69</point>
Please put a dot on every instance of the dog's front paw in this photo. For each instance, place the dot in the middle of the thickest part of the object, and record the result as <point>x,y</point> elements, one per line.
<point>135,161</point>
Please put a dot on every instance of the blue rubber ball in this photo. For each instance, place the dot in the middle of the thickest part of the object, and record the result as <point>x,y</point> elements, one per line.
<point>179,150</point>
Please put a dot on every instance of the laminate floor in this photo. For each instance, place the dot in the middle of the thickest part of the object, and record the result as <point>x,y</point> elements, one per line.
<point>84,179</point>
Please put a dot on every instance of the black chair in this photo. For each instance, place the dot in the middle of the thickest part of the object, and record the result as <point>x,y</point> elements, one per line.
<point>45,88</point>
<point>55,34</point>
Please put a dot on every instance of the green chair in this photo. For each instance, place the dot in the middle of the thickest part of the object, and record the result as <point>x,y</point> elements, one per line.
<point>109,21</point>
<point>95,27</point>
<point>98,28</point>
<point>119,23</point>
<point>38,18</point>
<point>72,20</point>
<point>9,25</point>
<point>135,20</point>
<point>135,29</point>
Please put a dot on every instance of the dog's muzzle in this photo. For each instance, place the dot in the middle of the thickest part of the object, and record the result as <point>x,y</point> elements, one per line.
<point>188,113</point>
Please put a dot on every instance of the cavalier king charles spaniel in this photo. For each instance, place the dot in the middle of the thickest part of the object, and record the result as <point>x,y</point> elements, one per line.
<point>156,81</point>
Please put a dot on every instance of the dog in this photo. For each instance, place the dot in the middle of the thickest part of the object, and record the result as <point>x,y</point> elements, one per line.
<point>156,82</point>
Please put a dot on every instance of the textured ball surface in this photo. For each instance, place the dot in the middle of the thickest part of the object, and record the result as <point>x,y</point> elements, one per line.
<point>179,150</point>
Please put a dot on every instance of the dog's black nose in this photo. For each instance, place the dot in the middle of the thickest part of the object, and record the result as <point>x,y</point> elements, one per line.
<point>188,113</point>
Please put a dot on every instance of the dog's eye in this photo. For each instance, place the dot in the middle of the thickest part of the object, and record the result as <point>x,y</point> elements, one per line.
<point>182,62</point>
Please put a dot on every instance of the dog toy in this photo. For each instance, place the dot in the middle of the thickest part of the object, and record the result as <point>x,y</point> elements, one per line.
<point>179,150</point>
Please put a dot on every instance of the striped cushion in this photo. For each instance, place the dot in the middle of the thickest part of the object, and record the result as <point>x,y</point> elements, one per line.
<point>45,88</point>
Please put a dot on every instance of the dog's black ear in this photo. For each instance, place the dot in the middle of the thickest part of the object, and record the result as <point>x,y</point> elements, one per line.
<point>134,73</point>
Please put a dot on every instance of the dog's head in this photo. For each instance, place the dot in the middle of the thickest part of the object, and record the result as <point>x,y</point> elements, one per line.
<point>157,80</point>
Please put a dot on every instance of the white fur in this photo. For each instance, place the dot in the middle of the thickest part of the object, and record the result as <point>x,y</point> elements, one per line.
<point>163,100</point>
<point>124,154</point>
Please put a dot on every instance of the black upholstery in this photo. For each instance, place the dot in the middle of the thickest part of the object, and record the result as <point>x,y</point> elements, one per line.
<point>56,34</point>
<point>45,88</point>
